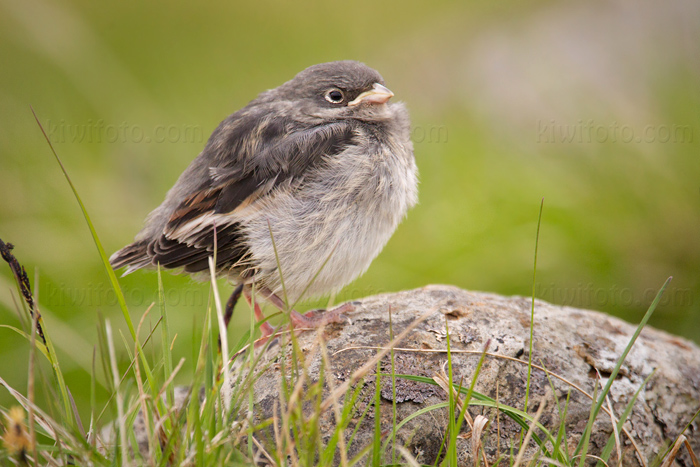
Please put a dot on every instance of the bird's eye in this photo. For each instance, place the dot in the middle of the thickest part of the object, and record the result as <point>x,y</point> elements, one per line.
<point>335,96</point>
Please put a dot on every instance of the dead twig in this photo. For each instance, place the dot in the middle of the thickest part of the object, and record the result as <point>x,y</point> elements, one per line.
<point>24,286</point>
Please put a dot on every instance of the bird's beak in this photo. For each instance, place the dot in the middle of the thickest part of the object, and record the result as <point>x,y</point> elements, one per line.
<point>377,95</point>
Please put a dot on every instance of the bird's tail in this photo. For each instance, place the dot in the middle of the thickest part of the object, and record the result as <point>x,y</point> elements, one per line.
<point>135,256</point>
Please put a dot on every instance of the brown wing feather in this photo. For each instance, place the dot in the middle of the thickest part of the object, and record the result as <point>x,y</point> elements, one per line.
<point>230,185</point>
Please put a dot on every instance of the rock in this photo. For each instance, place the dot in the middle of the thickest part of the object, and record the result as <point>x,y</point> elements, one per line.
<point>571,343</point>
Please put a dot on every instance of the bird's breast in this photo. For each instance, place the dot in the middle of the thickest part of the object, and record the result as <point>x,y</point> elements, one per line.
<point>327,229</point>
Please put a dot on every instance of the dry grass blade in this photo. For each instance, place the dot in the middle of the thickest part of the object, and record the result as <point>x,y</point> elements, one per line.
<point>288,450</point>
<point>222,326</point>
<point>480,423</point>
<point>671,456</point>
<point>511,359</point>
<point>553,462</point>
<point>498,420</point>
<point>120,402</point>
<point>331,388</point>
<point>241,427</point>
<point>262,451</point>
<point>613,420</point>
<point>170,379</point>
<point>131,364</point>
<point>362,371</point>
<point>295,397</point>
<point>442,380</point>
<point>143,395</point>
<point>591,456</point>
<point>42,418</point>
<point>410,460</point>
<point>76,415</point>
<point>526,441</point>
<point>30,387</point>
<point>276,430</point>
<point>693,457</point>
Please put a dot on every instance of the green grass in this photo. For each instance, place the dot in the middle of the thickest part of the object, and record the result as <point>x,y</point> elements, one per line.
<point>202,433</point>
<point>217,427</point>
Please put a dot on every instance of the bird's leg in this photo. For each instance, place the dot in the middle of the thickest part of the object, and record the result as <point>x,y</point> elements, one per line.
<point>265,328</point>
<point>230,305</point>
<point>309,320</point>
<point>336,312</point>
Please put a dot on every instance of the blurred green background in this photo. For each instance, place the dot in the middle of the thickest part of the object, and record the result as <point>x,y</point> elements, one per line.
<point>592,105</point>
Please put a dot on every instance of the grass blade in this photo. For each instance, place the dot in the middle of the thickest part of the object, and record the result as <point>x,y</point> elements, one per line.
<point>377,439</point>
<point>105,259</point>
<point>165,341</point>
<point>532,307</point>
<point>616,370</point>
<point>623,417</point>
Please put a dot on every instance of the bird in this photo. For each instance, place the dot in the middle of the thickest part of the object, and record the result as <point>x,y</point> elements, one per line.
<point>294,195</point>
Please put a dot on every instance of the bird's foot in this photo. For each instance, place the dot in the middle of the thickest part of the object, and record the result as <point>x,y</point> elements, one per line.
<point>318,318</point>
<point>266,329</point>
<point>312,319</point>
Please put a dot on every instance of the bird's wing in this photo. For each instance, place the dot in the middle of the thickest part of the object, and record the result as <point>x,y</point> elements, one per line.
<point>234,182</point>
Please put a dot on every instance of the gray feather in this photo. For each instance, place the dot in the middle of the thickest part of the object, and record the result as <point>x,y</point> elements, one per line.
<point>332,183</point>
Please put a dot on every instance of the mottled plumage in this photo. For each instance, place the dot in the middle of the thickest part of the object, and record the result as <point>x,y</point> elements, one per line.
<point>330,180</point>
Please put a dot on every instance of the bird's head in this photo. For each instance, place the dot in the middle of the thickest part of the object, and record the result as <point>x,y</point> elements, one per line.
<point>338,90</point>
